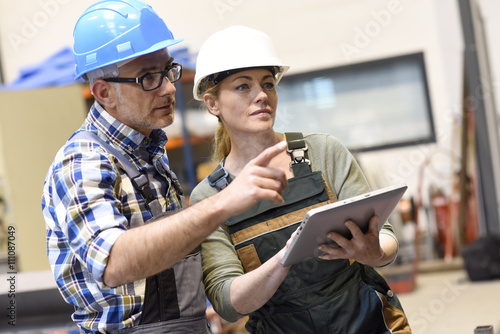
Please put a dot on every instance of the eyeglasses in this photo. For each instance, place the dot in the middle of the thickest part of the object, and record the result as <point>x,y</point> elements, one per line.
<point>152,81</point>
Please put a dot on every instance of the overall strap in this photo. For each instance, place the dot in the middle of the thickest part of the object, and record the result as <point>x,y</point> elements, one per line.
<point>297,148</point>
<point>175,182</point>
<point>219,178</point>
<point>139,180</point>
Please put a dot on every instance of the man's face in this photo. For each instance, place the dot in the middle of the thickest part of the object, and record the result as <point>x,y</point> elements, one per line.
<point>145,110</point>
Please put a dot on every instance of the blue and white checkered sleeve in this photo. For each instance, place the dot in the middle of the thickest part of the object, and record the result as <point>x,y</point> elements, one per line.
<point>87,209</point>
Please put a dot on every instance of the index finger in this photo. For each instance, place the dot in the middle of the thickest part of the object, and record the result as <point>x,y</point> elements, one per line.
<point>269,153</point>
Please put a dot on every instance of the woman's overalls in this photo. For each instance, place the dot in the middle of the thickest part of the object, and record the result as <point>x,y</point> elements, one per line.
<point>317,296</point>
<point>174,300</point>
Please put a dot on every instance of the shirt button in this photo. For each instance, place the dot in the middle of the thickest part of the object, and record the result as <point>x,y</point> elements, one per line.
<point>390,294</point>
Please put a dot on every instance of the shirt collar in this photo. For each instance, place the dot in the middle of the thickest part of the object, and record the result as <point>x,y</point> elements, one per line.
<point>120,134</point>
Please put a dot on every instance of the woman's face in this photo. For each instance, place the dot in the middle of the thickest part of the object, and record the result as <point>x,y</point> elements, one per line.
<point>246,101</point>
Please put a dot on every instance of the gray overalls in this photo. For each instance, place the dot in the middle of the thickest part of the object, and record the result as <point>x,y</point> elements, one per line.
<point>174,300</point>
<point>317,296</point>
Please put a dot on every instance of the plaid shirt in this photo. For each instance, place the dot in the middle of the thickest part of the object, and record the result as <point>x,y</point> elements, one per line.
<point>88,202</point>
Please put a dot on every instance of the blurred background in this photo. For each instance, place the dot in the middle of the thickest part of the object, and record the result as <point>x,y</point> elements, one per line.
<point>410,87</point>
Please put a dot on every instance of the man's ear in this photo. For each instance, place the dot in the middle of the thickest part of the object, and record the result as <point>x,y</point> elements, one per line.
<point>104,93</point>
<point>211,104</point>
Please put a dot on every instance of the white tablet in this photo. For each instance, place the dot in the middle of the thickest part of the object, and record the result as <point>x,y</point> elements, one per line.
<point>332,217</point>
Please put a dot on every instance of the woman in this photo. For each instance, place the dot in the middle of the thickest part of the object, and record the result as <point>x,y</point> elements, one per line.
<point>339,292</point>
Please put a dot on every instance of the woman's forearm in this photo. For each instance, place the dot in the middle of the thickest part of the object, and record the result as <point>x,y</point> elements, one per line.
<point>389,246</point>
<point>252,290</point>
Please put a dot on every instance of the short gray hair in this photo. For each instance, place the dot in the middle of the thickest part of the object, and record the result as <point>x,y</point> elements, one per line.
<point>101,73</point>
<point>108,71</point>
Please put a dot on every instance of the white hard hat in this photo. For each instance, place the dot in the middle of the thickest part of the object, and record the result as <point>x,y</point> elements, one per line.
<point>236,47</point>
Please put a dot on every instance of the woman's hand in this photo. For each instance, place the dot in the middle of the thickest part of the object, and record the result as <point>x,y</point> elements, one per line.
<point>282,252</point>
<point>368,248</point>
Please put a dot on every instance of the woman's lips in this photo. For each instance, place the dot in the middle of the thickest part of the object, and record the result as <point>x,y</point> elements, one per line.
<point>260,112</point>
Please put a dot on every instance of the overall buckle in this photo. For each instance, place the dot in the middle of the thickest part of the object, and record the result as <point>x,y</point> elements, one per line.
<point>298,155</point>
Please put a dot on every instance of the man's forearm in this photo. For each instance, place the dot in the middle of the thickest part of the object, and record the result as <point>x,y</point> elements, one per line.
<point>149,249</point>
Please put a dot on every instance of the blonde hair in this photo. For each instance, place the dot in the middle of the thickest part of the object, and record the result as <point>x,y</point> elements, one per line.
<point>222,143</point>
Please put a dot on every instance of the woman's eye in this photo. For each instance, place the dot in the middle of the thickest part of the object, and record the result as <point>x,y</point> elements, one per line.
<point>269,85</point>
<point>242,87</point>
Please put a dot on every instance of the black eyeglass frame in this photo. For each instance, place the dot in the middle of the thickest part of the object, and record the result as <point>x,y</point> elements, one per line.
<point>139,80</point>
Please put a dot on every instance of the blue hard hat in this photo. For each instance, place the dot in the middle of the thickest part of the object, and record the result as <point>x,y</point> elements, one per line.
<point>112,31</point>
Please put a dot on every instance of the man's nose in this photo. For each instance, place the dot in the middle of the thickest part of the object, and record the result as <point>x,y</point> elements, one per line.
<point>166,87</point>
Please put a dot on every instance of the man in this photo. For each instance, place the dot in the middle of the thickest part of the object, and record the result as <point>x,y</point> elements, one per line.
<point>117,254</point>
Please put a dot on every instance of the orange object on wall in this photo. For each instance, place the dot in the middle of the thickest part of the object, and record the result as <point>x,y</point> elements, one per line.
<point>442,208</point>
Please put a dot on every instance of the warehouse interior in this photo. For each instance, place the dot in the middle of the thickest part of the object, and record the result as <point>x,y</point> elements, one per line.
<point>410,87</point>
